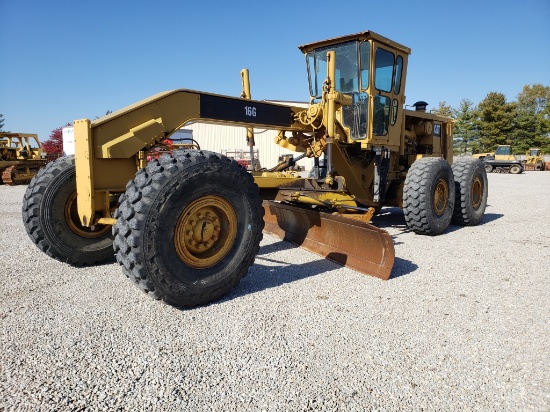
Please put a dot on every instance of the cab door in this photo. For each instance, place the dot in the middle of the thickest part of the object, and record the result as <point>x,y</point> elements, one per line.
<point>387,96</point>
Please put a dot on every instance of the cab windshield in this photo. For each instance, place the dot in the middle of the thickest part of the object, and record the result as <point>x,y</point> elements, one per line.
<point>347,69</point>
<point>503,150</point>
<point>352,78</point>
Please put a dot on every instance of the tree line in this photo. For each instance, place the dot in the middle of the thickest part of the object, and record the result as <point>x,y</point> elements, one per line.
<point>523,123</point>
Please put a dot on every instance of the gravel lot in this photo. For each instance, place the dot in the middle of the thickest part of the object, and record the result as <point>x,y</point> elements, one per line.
<point>461,325</point>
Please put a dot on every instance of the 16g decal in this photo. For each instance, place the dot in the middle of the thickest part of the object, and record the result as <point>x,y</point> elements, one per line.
<point>250,111</point>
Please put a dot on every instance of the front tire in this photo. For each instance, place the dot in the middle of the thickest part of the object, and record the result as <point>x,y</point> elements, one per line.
<point>471,189</point>
<point>428,196</point>
<point>189,227</point>
<point>51,219</point>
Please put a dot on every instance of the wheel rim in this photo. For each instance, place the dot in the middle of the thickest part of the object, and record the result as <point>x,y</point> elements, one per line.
<point>73,221</point>
<point>441,197</point>
<point>205,231</point>
<point>477,193</point>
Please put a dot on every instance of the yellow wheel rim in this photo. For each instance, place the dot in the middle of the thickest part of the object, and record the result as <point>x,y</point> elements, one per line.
<point>477,193</point>
<point>441,197</point>
<point>205,232</point>
<point>73,221</point>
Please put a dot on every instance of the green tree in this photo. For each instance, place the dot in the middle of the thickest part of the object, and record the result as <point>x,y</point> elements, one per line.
<point>535,98</point>
<point>466,127</point>
<point>496,116</point>
<point>531,126</point>
<point>443,109</point>
<point>524,132</point>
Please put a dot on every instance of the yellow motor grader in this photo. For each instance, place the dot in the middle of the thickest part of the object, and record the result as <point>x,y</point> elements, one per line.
<point>21,157</point>
<point>187,226</point>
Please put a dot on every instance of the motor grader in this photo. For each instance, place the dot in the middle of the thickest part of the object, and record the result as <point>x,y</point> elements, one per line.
<point>187,226</point>
<point>21,157</point>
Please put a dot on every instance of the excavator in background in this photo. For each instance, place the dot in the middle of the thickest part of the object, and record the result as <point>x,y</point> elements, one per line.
<point>500,161</point>
<point>187,226</point>
<point>21,157</point>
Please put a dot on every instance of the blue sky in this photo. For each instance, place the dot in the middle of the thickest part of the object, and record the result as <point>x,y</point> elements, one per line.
<point>65,60</point>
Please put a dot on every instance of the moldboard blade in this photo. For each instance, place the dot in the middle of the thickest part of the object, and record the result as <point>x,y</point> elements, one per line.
<point>349,242</point>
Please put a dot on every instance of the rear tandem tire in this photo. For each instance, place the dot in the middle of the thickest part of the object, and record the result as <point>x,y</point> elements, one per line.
<point>471,189</point>
<point>51,219</point>
<point>428,196</point>
<point>189,227</point>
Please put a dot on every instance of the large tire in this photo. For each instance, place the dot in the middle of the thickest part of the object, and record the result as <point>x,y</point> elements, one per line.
<point>516,169</point>
<point>471,189</point>
<point>51,219</point>
<point>157,236</point>
<point>428,196</point>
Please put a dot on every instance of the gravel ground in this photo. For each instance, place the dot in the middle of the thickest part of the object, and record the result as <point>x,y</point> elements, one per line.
<point>461,325</point>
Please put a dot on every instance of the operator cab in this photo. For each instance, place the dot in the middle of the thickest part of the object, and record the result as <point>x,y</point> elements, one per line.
<point>370,68</point>
<point>503,150</point>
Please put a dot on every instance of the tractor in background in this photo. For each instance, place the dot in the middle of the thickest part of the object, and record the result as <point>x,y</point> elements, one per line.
<point>21,157</point>
<point>500,161</point>
<point>534,160</point>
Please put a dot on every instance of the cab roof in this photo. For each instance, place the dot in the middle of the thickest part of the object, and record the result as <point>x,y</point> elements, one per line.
<point>365,35</point>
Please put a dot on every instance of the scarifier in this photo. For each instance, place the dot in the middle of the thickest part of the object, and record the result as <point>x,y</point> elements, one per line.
<point>187,226</point>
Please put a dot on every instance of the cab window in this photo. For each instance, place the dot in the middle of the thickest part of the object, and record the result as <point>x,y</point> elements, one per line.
<point>365,65</point>
<point>347,68</point>
<point>503,150</point>
<point>381,115</point>
<point>398,72</point>
<point>383,70</point>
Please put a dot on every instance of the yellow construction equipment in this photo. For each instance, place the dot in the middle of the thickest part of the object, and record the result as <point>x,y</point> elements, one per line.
<point>502,152</point>
<point>534,160</point>
<point>21,157</point>
<point>187,226</point>
<point>501,160</point>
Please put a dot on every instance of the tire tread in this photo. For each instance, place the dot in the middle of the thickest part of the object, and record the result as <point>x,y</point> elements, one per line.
<point>416,191</point>
<point>135,208</point>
